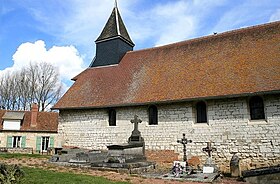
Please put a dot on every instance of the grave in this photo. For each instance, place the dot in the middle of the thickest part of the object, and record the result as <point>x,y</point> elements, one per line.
<point>130,155</point>
<point>132,151</point>
<point>183,172</point>
<point>209,166</point>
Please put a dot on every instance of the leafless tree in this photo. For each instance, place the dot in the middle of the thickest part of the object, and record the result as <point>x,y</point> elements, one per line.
<point>38,83</point>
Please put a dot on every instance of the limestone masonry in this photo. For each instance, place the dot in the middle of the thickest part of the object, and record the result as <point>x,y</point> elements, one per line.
<point>256,142</point>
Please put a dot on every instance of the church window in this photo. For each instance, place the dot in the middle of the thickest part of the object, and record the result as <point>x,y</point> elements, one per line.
<point>201,112</point>
<point>112,117</point>
<point>153,115</point>
<point>256,106</point>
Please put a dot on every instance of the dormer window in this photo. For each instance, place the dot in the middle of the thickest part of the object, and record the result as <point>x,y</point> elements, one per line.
<point>12,120</point>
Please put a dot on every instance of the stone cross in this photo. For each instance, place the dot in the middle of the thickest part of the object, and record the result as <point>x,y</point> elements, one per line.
<point>136,121</point>
<point>184,141</point>
<point>209,149</point>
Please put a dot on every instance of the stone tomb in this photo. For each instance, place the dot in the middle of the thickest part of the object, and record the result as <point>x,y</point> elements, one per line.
<point>129,155</point>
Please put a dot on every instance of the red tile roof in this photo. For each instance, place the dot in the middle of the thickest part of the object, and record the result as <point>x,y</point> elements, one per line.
<point>46,121</point>
<point>233,63</point>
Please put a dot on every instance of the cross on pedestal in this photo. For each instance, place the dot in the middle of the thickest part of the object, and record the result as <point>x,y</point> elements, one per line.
<point>209,149</point>
<point>184,141</point>
<point>136,121</point>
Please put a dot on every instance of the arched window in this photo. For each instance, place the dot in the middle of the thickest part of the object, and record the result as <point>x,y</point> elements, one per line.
<point>112,117</point>
<point>153,115</point>
<point>201,114</point>
<point>256,108</point>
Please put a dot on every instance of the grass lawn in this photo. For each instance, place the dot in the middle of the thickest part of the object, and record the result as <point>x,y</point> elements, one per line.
<point>44,176</point>
<point>40,176</point>
<point>18,155</point>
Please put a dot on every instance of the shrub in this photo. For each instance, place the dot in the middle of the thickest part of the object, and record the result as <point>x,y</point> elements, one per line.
<point>10,174</point>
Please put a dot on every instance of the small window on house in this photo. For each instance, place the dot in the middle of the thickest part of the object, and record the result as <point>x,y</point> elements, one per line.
<point>153,115</point>
<point>112,117</point>
<point>45,143</point>
<point>201,113</point>
<point>16,141</point>
<point>256,106</point>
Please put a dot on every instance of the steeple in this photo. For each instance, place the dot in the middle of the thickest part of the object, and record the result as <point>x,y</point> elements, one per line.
<point>113,42</point>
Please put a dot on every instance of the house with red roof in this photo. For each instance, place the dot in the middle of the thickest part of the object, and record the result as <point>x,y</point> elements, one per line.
<point>28,131</point>
<point>223,88</point>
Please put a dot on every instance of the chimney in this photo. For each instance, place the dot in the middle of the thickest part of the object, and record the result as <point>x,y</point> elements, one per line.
<point>34,114</point>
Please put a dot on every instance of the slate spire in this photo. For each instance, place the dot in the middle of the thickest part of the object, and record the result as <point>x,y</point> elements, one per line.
<point>113,42</point>
<point>115,28</point>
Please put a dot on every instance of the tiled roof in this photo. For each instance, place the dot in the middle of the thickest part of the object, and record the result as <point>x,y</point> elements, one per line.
<point>233,63</point>
<point>46,121</point>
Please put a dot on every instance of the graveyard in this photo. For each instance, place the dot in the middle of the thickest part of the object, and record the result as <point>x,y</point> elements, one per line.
<point>129,158</point>
<point>205,109</point>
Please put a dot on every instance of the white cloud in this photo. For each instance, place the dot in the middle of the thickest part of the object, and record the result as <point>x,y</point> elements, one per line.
<point>65,58</point>
<point>275,16</point>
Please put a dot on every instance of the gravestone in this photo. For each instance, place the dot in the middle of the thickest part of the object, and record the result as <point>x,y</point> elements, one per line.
<point>120,155</point>
<point>184,141</point>
<point>209,166</point>
<point>234,166</point>
<point>135,134</point>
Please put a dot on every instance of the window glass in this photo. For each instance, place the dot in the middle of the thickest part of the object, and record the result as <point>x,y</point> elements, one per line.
<point>16,141</point>
<point>153,115</point>
<point>256,108</point>
<point>45,141</point>
<point>201,114</point>
<point>112,117</point>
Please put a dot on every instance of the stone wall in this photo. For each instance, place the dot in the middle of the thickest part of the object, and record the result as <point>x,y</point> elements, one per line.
<point>229,127</point>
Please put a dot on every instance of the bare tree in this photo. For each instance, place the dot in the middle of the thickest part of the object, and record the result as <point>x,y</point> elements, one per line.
<point>48,86</point>
<point>38,83</point>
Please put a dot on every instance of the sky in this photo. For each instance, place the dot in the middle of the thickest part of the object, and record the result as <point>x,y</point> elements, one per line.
<point>62,32</point>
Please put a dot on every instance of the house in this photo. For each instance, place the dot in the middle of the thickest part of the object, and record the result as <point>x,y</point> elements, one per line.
<point>28,131</point>
<point>223,88</point>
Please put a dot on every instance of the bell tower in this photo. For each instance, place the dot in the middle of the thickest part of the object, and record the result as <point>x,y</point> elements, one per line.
<point>113,42</point>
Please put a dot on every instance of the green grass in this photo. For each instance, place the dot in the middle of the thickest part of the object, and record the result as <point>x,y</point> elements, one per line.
<point>40,176</point>
<point>18,155</point>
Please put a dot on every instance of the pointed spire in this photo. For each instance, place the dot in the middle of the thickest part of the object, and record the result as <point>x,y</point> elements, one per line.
<point>115,28</point>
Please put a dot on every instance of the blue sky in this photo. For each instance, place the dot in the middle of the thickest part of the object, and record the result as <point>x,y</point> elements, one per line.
<point>62,32</point>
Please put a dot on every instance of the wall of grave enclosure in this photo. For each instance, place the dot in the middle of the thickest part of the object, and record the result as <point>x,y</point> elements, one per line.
<point>257,143</point>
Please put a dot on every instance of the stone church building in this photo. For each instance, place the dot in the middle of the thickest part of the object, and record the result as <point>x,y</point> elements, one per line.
<point>223,88</point>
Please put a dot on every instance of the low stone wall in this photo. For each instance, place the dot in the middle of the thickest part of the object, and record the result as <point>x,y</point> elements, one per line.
<point>17,150</point>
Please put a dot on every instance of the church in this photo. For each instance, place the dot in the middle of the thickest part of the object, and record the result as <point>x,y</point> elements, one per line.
<point>223,88</point>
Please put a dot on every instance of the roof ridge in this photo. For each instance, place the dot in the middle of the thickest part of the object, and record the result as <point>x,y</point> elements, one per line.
<point>206,37</point>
